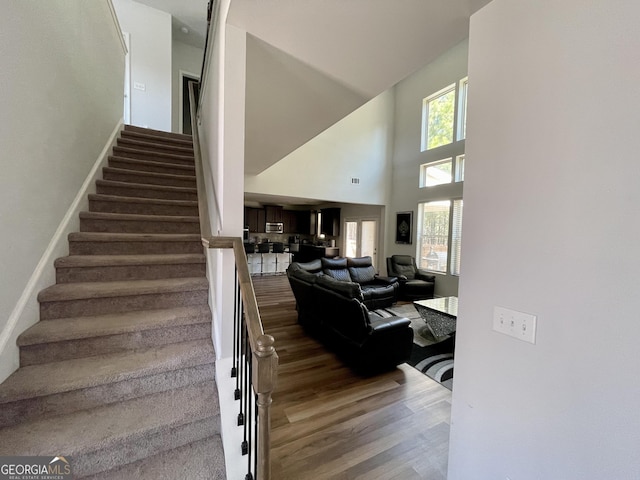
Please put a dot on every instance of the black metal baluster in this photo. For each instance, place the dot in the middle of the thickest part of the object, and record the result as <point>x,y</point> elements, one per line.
<point>234,368</point>
<point>245,397</point>
<point>249,476</point>
<point>243,372</point>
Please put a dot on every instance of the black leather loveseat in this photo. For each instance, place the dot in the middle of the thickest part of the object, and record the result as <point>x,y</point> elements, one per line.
<point>333,311</point>
<point>378,292</point>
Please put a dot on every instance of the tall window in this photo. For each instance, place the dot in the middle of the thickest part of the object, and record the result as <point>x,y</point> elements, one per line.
<point>439,235</point>
<point>439,220</point>
<point>438,113</point>
<point>433,244</point>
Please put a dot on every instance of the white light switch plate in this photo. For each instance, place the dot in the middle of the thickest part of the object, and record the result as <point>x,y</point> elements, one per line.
<point>515,324</point>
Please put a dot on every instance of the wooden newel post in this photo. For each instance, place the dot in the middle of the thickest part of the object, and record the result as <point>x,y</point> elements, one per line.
<point>265,366</point>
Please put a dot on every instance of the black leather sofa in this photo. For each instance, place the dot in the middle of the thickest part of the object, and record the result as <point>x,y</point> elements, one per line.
<point>333,311</point>
<point>378,292</point>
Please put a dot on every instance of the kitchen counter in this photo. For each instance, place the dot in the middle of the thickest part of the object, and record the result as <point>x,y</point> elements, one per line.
<point>308,253</point>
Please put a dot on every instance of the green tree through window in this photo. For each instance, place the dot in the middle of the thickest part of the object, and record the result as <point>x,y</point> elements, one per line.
<point>440,115</point>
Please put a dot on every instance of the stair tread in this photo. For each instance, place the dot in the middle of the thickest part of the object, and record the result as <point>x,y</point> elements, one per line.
<point>187,141</point>
<point>154,145</point>
<point>74,328</point>
<point>105,426</point>
<point>121,288</point>
<point>134,237</point>
<point>36,380</point>
<point>201,460</point>
<point>148,174</point>
<point>136,151</point>
<point>136,217</point>
<point>160,133</point>
<point>79,261</point>
<point>147,201</point>
<point>149,186</point>
<point>137,161</point>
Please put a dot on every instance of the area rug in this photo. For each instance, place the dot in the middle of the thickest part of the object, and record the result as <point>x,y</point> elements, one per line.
<point>430,355</point>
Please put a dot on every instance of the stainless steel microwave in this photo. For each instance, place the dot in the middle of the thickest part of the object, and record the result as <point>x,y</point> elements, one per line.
<point>276,227</point>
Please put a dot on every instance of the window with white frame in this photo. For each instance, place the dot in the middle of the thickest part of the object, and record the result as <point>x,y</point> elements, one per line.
<point>438,114</point>
<point>443,114</point>
<point>463,88</point>
<point>436,173</point>
<point>442,171</point>
<point>439,236</point>
<point>459,175</point>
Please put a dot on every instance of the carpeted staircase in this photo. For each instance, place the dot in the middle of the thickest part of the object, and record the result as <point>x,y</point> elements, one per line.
<point>119,372</point>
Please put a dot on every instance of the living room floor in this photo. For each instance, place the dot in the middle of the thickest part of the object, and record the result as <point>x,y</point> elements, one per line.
<point>329,423</point>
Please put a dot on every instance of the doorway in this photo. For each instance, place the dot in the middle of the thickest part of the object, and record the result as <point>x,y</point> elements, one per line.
<point>361,238</point>
<point>185,106</point>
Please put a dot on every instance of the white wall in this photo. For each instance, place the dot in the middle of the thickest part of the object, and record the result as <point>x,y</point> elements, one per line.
<point>357,146</point>
<point>288,103</point>
<point>550,228</point>
<point>150,53</point>
<point>62,95</point>
<point>449,68</point>
<point>188,60</point>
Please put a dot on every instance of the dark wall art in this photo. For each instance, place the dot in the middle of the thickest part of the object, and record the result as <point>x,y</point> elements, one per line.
<point>404,227</point>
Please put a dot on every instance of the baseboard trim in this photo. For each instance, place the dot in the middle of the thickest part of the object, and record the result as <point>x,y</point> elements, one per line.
<point>26,312</point>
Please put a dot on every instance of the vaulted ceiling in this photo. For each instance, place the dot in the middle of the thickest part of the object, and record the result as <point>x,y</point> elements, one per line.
<point>312,62</point>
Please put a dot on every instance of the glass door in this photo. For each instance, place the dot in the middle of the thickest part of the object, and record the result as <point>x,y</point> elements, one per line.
<point>361,238</point>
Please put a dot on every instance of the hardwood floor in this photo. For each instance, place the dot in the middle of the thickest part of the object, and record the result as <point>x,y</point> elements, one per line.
<point>329,423</point>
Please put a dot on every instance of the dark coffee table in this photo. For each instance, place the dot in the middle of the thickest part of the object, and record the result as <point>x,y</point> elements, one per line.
<point>440,314</point>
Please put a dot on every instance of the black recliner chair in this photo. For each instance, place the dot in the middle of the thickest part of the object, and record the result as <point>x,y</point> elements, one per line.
<point>415,283</point>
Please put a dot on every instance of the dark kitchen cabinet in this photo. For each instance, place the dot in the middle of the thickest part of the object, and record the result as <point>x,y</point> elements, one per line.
<point>330,223</point>
<point>290,220</point>
<point>254,218</point>
<point>304,222</point>
<point>297,221</point>
<point>274,213</point>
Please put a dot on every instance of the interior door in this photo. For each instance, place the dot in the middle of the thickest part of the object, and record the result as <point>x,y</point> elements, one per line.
<point>361,238</point>
<point>185,111</point>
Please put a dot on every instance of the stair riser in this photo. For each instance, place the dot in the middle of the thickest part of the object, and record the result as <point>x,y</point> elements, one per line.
<point>153,156</point>
<point>132,248</point>
<point>99,306</point>
<point>145,137</point>
<point>143,167</point>
<point>125,191</point>
<point>127,226</point>
<point>142,208</point>
<point>81,399</point>
<point>149,180</point>
<point>154,147</point>
<point>86,347</point>
<point>129,452</point>
<point>129,272</point>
